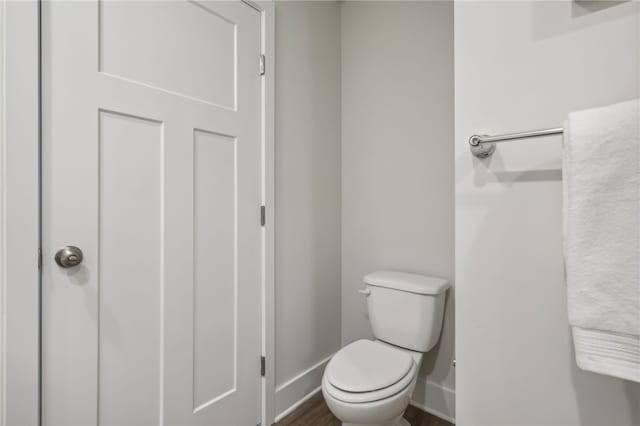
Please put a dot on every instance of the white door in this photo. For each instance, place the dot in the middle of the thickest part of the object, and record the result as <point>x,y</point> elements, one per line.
<point>152,166</point>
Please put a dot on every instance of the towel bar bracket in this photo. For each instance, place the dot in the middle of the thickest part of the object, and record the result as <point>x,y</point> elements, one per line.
<point>479,149</point>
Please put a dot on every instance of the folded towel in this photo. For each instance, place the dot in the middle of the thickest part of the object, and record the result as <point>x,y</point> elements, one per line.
<point>601,169</point>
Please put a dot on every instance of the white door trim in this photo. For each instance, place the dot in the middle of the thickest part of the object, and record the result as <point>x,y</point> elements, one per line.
<point>267,10</point>
<point>20,217</point>
<point>19,213</point>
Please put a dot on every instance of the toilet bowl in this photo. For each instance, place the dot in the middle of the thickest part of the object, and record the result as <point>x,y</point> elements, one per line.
<point>370,382</point>
<point>378,391</point>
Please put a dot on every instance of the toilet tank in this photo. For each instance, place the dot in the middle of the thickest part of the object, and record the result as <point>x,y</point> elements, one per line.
<point>406,310</point>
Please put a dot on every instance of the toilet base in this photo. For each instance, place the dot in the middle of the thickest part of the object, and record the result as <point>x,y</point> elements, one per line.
<point>398,421</point>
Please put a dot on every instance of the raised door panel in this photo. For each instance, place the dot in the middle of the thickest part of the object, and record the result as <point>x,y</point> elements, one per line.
<point>130,273</point>
<point>215,268</point>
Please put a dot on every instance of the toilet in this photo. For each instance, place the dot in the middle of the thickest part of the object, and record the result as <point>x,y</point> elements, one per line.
<point>370,382</point>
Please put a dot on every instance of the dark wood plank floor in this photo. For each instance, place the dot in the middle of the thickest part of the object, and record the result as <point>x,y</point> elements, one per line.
<point>316,413</point>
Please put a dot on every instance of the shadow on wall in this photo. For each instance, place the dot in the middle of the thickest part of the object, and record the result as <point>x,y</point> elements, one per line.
<point>430,358</point>
<point>588,387</point>
<point>430,386</point>
<point>492,170</point>
<point>584,7</point>
<point>632,390</point>
<point>576,15</point>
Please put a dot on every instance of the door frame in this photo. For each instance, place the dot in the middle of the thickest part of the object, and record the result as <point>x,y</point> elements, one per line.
<point>19,213</point>
<point>268,17</point>
<point>20,281</point>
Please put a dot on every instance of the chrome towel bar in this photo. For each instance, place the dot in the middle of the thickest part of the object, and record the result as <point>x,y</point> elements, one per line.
<point>482,146</point>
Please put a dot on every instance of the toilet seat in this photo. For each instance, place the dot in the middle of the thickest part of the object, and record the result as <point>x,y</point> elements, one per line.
<point>367,371</point>
<point>377,395</point>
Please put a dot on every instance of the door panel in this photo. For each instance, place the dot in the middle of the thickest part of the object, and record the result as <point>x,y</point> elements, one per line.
<point>152,166</point>
<point>198,63</point>
<point>215,260</point>
<point>129,340</point>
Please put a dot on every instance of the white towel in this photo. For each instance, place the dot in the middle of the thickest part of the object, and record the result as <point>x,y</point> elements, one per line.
<point>601,169</point>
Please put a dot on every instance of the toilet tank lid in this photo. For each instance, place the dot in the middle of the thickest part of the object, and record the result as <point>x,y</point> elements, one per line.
<point>413,283</point>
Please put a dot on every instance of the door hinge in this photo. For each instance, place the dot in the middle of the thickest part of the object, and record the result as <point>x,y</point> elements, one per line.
<point>263,366</point>
<point>263,215</point>
<point>262,64</point>
<point>39,259</point>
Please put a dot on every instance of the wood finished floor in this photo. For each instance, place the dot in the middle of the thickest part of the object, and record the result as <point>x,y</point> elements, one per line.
<point>315,412</point>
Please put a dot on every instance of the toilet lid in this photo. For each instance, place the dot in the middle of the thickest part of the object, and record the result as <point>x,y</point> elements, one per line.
<point>365,366</point>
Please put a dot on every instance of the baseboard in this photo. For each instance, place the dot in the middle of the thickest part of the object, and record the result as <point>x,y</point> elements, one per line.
<point>435,399</point>
<point>295,405</point>
<point>291,394</point>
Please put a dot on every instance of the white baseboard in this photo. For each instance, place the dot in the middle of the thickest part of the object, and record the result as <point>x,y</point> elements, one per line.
<point>435,399</point>
<point>291,394</point>
<point>291,409</point>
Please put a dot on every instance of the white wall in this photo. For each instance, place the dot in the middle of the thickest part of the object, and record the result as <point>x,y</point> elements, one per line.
<point>522,66</point>
<point>307,195</point>
<point>397,158</point>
